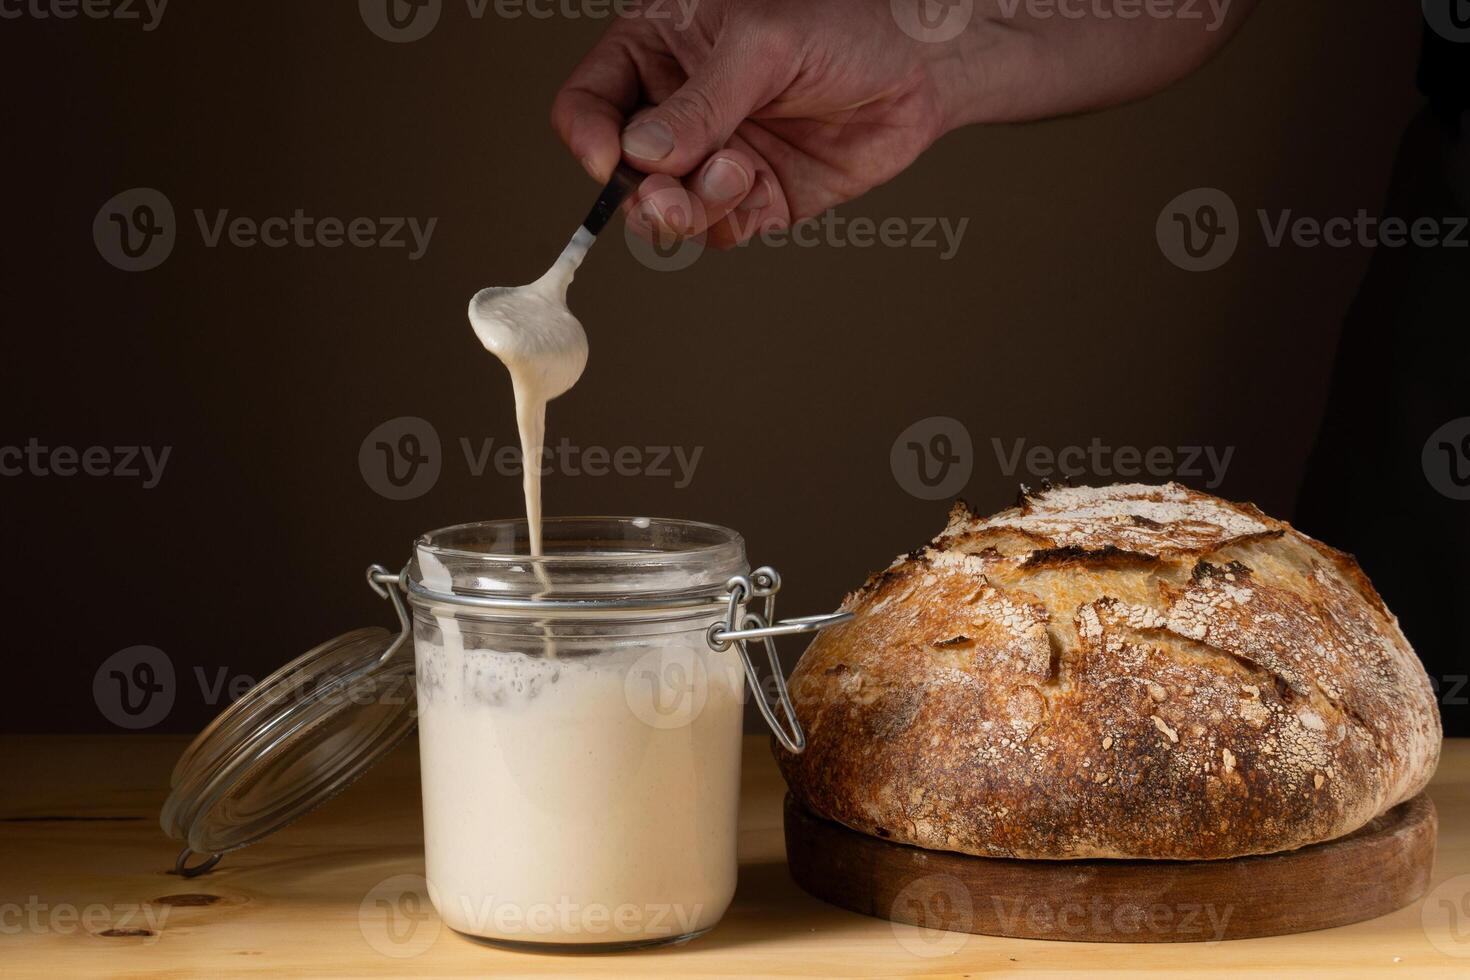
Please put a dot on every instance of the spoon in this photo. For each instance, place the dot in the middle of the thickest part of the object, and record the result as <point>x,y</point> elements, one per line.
<point>540,342</point>
<point>530,327</point>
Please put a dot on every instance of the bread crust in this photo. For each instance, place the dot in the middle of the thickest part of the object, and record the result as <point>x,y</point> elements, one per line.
<point>1118,672</point>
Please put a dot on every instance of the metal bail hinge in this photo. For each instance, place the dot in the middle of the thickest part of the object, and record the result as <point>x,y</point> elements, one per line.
<point>736,628</point>
<point>388,585</point>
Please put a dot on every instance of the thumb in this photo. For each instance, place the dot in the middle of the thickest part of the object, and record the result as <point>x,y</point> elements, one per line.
<point>677,135</point>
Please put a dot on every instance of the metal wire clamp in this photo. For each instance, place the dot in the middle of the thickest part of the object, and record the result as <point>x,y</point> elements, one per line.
<point>764,583</point>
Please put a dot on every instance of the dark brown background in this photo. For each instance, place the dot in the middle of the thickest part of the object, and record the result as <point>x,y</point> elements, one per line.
<point>1059,320</point>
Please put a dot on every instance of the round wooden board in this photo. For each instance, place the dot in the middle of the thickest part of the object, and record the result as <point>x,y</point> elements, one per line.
<point>1373,871</point>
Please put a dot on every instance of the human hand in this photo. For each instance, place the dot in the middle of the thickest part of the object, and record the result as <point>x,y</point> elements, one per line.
<point>754,114</point>
<point>751,114</point>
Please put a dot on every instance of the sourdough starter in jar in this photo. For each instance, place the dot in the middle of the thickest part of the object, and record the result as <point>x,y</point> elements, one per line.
<point>583,791</point>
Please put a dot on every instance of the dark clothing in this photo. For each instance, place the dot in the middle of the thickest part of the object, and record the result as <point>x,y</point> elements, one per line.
<point>1402,373</point>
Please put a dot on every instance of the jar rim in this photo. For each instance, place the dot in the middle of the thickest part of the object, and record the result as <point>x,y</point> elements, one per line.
<point>721,538</point>
<point>583,558</point>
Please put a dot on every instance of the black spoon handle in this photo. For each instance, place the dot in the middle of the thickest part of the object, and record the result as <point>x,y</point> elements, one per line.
<point>624,179</point>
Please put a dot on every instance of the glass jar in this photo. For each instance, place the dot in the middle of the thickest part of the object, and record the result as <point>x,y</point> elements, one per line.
<point>579,743</point>
<point>579,718</point>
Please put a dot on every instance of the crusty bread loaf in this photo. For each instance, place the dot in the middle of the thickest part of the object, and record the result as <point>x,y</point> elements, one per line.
<point>1117,672</point>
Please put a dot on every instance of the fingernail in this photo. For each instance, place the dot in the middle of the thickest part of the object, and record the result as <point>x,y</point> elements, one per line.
<point>590,167</point>
<point>651,140</point>
<point>759,196</point>
<point>725,180</point>
<point>649,214</point>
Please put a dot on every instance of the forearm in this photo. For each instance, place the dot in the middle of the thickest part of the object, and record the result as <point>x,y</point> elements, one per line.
<point>1030,59</point>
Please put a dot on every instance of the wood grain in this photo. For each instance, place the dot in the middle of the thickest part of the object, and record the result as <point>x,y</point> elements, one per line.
<point>1378,869</point>
<point>84,893</point>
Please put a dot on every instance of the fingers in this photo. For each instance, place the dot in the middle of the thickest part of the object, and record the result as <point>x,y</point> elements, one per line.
<point>764,210</point>
<point>733,196</point>
<point>679,134</point>
<point>590,109</point>
<point>661,210</point>
<point>688,207</point>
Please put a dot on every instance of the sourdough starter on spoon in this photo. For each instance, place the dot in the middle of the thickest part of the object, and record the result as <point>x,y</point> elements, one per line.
<point>545,349</point>
<point>540,342</point>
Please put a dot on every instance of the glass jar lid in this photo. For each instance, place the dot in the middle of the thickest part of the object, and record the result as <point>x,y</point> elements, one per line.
<point>293,741</point>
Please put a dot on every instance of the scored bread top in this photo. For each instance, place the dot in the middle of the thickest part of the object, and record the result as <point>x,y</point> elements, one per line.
<point>1118,672</point>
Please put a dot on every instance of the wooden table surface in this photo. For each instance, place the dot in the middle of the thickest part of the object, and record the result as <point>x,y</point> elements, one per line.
<point>84,893</point>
